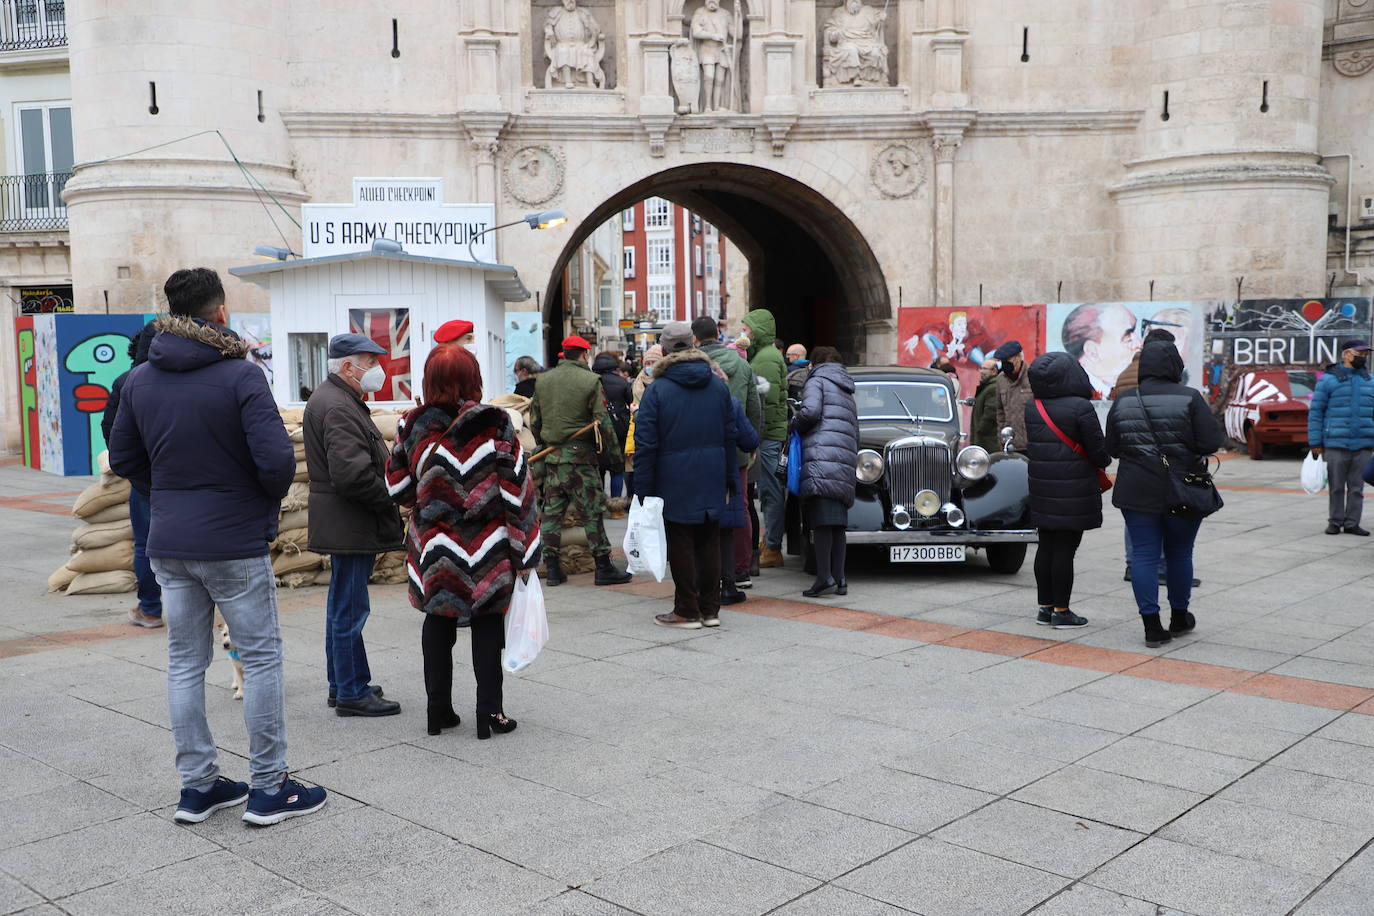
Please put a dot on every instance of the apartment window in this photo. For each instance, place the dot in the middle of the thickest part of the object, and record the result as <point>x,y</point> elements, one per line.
<point>712,302</point>
<point>628,260</point>
<point>43,147</point>
<point>660,255</point>
<point>627,221</point>
<point>696,224</point>
<point>697,258</point>
<point>711,265</point>
<point>658,213</point>
<point>629,303</point>
<point>606,304</point>
<point>701,303</point>
<point>661,303</point>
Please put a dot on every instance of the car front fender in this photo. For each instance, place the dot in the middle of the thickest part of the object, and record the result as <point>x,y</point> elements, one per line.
<point>1002,498</point>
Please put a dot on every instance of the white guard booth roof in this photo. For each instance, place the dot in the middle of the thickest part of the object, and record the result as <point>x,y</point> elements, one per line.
<point>394,298</point>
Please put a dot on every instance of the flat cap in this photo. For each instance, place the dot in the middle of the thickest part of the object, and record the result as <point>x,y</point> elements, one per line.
<point>341,345</point>
<point>677,335</point>
<point>1007,350</point>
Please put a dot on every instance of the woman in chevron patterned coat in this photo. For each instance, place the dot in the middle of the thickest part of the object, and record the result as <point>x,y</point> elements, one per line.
<point>473,529</point>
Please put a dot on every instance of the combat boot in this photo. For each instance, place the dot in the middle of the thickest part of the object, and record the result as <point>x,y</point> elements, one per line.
<point>554,574</point>
<point>607,574</point>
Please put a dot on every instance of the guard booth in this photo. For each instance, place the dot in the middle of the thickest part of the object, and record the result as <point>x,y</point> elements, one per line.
<point>394,298</point>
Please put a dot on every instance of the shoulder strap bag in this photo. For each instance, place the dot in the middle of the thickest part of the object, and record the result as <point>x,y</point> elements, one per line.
<point>1104,481</point>
<point>1189,493</point>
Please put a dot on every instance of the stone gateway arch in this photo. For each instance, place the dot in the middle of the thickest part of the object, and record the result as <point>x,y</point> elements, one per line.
<point>865,156</point>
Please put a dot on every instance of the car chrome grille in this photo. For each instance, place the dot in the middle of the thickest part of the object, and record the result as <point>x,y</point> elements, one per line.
<point>913,468</point>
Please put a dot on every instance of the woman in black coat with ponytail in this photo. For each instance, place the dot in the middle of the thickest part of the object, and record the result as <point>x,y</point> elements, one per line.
<point>1065,493</point>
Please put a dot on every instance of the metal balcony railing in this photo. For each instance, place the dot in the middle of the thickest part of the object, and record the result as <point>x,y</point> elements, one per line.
<point>30,203</point>
<point>30,24</point>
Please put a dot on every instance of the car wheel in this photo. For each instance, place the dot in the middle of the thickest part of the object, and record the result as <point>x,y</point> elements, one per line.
<point>1253,444</point>
<point>1006,558</point>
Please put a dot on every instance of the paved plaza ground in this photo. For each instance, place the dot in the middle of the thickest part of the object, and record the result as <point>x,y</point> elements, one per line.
<point>917,747</point>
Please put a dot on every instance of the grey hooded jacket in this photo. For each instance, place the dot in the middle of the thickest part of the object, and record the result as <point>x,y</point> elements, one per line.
<point>828,423</point>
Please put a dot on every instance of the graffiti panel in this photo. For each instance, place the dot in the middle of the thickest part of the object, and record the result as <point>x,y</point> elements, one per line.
<point>28,392</point>
<point>1104,336</point>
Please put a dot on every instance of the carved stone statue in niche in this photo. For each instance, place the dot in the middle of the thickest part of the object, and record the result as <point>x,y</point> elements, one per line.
<point>856,46</point>
<point>574,46</point>
<point>716,33</point>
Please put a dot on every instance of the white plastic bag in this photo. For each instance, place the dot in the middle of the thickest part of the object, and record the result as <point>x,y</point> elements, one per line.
<point>1313,473</point>
<point>646,541</point>
<point>527,626</point>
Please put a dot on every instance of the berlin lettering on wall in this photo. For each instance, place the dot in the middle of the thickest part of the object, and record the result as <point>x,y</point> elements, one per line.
<point>409,211</point>
<point>1285,332</point>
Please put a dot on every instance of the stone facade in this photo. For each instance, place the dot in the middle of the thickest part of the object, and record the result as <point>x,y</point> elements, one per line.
<point>1016,159</point>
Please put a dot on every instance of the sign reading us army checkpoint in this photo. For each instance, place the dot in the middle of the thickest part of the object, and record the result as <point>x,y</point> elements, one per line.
<point>410,211</point>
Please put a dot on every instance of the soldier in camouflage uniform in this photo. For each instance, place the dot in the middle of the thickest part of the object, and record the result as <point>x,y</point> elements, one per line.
<point>566,399</point>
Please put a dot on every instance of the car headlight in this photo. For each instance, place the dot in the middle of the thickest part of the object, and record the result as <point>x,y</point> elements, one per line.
<point>901,518</point>
<point>973,462</point>
<point>953,514</point>
<point>927,503</point>
<point>869,468</point>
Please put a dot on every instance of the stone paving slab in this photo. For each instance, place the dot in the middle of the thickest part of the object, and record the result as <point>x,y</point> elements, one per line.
<point>918,747</point>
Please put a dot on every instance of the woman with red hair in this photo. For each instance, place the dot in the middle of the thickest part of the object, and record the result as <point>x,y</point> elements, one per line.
<point>473,528</point>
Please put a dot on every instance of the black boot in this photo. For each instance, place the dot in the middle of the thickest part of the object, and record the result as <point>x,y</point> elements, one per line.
<point>729,593</point>
<point>1155,635</point>
<point>554,575</point>
<point>607,574</point>
<point>1181,621</point>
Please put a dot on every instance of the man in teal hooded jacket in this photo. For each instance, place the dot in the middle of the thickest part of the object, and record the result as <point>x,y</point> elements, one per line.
<point>769,365</point>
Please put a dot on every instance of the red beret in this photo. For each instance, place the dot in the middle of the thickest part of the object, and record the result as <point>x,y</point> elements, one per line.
<point>576,343</point>
<point>452,330</point>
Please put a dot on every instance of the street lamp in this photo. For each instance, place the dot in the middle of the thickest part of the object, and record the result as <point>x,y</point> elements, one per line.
<point>545,219</point>
<point>273,253</point>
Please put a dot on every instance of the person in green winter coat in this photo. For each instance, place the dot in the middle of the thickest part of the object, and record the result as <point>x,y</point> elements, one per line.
<point>983,425</point>
<point>768,364</point>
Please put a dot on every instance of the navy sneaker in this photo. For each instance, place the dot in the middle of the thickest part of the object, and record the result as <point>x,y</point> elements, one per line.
<point>291,800</point>
<point>195,805</point>
<point>1042,616</point>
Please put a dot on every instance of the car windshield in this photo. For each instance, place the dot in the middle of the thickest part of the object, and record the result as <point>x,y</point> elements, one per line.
<point>903,401</point>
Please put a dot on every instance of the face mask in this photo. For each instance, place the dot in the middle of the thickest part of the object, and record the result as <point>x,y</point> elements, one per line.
<point>1010,369</point>
<point>1359,362</point>
<point>373,379</point>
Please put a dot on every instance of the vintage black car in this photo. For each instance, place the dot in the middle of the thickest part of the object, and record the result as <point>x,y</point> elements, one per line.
<point>924,495</point>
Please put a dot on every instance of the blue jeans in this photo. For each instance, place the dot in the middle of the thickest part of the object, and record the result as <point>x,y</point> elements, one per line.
<point>772,496</point>
<point>346,610</point>
<point>617,485</point>
<point>1127,531</point>
<point>149,595</point>
<point>247,597</point>
<point>1151,533</point>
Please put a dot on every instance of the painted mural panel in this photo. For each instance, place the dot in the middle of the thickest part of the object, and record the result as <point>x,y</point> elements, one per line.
<point>256,330</point>
<point>524,337</point>
<point>1104,336</point>
<point>967,336</point>
<point>67,365</point>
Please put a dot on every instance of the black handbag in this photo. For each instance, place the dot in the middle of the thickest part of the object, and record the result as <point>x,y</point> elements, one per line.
<point>1190,493</point>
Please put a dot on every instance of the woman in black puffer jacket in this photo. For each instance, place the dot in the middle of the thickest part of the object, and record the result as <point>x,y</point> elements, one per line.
<point>828,423</point>
<point>1065,499</point>
<point>1186,431</point>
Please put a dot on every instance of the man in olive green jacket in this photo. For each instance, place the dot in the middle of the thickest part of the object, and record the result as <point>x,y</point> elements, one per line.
<point>984,420</point>
<point>768,364</point>
<point>566,400</point>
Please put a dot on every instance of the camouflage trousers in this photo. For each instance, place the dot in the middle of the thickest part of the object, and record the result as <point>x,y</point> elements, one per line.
<point>574,487</point>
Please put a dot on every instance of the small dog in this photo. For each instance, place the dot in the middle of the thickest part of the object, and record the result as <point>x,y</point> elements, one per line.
<point>229,650</point>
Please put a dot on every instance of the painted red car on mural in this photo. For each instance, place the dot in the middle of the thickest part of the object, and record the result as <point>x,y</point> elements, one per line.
<point>1269,407</point>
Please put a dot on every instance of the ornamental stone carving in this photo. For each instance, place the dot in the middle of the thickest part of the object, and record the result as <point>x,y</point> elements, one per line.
<point>898,171</point>
<point>1354,63</point>
<point>574,46</point>
<point>534,174</point>
<point>855,46</point>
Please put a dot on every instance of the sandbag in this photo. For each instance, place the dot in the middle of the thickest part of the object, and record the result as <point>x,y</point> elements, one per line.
<point>298,452</point>
<point>296,433</point>
<point>61,578</point>
<point>117,512</point>
<point>285,563</point>
<point>119,555</point>
<point>322,577</point>
<point>103,462</point>
<point>298,497</point>
<point>292,416</point>
<point>110,582</point>
<point>386,423</point>
<point>90,537</point>
<point>298,518</point>
<point>101,495</point>
<point>394,576</point>
<point>302,474</point>
<point>292,540</point>
<point>297,579</point>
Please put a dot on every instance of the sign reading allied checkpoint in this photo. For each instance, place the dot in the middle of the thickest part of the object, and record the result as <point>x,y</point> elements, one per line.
<point>410,211</point>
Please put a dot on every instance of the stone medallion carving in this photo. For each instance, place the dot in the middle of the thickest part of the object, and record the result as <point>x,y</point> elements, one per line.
<point>898,171</point>
<point>534,174</point>
<point>1354,63</point>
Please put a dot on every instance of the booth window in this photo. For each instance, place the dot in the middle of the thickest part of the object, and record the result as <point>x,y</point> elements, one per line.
<point>309,363</point>
<point>390,329</point>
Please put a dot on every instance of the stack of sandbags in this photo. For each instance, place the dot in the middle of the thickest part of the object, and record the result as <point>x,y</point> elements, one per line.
<point>102,561</point>
<point>390,568</point>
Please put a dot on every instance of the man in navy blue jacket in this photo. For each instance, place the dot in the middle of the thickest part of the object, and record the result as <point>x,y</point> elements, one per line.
<point>198,430</point>
<point>685,439</point>
<point>1340,423</point>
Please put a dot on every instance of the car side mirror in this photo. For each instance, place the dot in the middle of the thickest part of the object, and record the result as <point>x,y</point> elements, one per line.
<point>1008,434</point>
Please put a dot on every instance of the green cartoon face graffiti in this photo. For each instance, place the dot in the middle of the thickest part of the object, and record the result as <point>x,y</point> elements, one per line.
<point>102,359</point>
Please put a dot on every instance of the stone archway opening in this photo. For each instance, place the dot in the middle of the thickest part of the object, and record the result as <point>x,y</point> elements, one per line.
<point>808,263</point>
